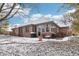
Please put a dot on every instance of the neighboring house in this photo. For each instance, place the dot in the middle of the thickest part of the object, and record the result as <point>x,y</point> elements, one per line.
<point>44,27</point>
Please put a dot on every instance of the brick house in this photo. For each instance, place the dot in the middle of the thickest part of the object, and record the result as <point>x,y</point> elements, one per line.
<point>44,27</point>
<point>29,29</point>
<point>51,29</point>
<point>25,30</point>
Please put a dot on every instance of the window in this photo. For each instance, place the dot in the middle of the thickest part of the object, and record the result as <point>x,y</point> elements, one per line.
<point>27,29</point>
<point>33,29</point>
<point>20,30</point>
<point>43,30</point>
<point>53,29</point>
<point>47,29</point>
<point>39,29</point>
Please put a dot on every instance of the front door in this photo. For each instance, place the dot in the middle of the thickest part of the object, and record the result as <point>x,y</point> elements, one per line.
<point>39,33</point>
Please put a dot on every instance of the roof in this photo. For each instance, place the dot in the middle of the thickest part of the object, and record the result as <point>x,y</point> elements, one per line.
<point>61,23</point>
<point>58,21</point>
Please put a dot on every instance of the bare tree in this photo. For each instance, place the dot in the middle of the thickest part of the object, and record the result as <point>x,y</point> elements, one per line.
<point>9,12</point>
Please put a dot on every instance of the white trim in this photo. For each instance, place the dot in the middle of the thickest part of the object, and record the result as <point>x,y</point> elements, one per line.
<point>33,32</point>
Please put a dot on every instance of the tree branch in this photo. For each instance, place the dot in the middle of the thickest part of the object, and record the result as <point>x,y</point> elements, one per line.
<point>9,12</point>
<point>14,13</point>
<point>2,7</point>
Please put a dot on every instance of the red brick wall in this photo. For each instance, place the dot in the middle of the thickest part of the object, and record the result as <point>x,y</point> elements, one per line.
<point>30,29</point>
<point>64,32</point>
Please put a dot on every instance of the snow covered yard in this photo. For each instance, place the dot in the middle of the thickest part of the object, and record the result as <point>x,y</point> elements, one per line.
<point>21,46</point>
<point>15,39</point>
